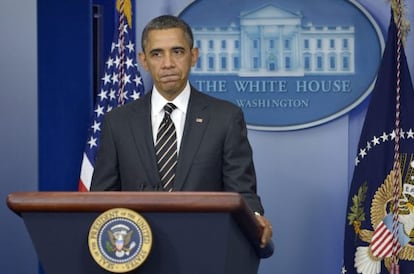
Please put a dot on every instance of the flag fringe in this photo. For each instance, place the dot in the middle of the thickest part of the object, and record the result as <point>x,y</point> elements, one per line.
<point>399,8</point>
<point>125,7</point>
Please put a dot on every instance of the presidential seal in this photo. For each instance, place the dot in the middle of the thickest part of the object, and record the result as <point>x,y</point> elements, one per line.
<point>120,240</point>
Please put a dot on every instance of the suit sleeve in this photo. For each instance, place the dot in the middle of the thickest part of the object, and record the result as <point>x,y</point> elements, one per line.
<point>106,174</point>
<point>238,169</point>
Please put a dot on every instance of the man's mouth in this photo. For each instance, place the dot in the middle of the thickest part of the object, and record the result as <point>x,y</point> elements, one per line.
<point>170,78</point>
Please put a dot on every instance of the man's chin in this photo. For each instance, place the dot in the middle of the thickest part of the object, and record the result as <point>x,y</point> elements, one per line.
<point>170,85</point>
<point>170,90</point>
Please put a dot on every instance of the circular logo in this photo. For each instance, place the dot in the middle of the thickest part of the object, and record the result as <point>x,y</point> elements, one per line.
<point>287,64</point>
<point>120,240</point>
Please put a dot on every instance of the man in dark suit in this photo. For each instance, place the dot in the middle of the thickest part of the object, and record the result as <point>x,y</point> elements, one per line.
<point>211,150</point>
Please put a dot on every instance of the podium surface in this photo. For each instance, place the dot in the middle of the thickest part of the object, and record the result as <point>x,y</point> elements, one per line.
<point>193,232</point>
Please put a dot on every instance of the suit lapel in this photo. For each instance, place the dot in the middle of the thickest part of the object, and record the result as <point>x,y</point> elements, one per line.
<point>196,122</point>
<point>140,122</point>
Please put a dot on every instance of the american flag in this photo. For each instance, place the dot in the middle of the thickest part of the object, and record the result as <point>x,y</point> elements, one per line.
<point>382,238</point>
<point>120,84</point>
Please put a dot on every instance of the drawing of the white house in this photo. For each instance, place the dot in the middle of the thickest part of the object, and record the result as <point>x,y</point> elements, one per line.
<point>269,41</point>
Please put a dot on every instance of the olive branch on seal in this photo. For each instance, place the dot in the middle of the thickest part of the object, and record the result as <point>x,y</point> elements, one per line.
<point>356,213</point>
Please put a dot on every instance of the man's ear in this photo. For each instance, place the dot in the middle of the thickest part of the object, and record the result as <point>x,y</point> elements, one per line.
<point>194,56</point>
<point>143,60</point>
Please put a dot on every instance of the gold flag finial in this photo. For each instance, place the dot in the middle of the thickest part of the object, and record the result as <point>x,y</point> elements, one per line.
<point>127,10</point>
<point>399,9</point>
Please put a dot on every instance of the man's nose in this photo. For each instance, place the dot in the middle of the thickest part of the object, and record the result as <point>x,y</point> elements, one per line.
<point>168,60</point>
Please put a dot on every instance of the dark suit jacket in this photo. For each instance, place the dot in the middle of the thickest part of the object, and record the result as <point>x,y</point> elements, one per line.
<point>215,154</point>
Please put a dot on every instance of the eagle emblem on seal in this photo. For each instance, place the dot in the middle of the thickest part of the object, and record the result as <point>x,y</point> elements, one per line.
<point>120,241</point>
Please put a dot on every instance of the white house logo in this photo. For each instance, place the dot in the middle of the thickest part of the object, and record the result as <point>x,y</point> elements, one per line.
<point>288,64</point>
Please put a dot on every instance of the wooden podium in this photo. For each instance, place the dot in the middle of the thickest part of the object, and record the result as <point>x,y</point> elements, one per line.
<point>193,232</point>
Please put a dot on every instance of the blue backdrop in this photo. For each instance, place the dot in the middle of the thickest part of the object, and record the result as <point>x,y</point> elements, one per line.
<point>46,74</point>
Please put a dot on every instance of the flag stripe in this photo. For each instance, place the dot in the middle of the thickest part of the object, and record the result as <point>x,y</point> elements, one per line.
<point>86,173</point>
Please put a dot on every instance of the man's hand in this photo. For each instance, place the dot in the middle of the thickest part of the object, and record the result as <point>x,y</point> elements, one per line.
<point>267,231</point>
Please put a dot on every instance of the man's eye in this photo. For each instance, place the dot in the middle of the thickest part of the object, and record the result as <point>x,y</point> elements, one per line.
<point>156,54</point>
<point>179,51</point>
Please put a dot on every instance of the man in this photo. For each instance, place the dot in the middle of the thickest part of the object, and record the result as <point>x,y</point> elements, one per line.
<point>208,149</point>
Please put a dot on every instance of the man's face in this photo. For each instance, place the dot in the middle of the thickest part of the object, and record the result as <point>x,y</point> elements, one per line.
<point>168,57</point>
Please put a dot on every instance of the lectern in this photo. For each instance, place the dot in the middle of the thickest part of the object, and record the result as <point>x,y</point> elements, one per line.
<point>193,232</point>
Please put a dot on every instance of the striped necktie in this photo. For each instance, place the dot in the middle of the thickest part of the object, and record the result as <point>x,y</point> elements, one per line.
<point>166,149</point>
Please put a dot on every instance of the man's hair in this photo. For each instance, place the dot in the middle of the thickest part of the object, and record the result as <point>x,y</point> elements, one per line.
<point>167,22</point>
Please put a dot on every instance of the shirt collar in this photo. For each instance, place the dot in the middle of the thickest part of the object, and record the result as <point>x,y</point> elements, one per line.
<point>181,101</point>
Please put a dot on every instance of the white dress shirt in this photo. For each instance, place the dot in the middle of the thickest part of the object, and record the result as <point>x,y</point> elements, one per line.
<point>177,116</point>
